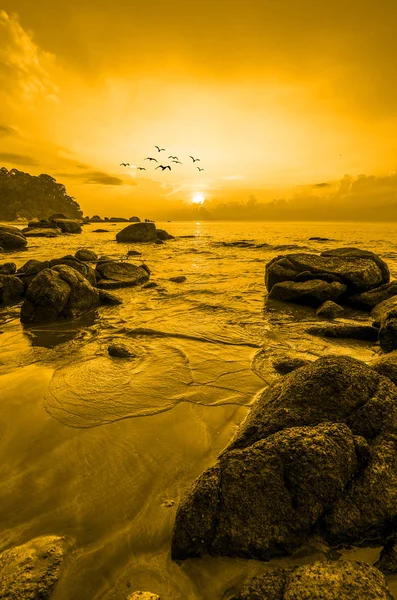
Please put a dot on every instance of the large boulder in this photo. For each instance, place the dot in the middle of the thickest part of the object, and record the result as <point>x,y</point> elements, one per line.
<point>112,275</point>
<point>263,501</point>
<point>71,261</point>
<point>368,300</point>
<point>58,293</point>
<point>67,225</point>
<point>138,232</point>
<point>358,253</point>
<point>273,486</point>
<point>359,271</point>
<point>31,571</point>
<point>341,580</point>
<point>86,255</point>
<point>387,366</point>
<point>11,290</point>
<point>12,238</point>
<point>30,269</point>
<point>163,235</point>
<point>385,317</point>
<point>313,293</point>
<point>39,224</point>
<point>9,268</point>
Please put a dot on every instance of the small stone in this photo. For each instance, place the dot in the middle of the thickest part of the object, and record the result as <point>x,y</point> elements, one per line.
<point>149,285</point>
<point>178,279</point>
<point>120,351</point>
<point>159,242</point>
<point>134,253</point>
<point>330,310</point>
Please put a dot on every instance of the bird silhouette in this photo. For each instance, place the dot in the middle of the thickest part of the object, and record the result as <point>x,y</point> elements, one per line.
<point>194,159</point>
<point>176,158</point>
<point>162,167</point>
<point>150,158</point>
<point>159,149</point>
<point>199,169</point>
<point>141,168</point>
<point>124,164</point>
<point>177,161</point>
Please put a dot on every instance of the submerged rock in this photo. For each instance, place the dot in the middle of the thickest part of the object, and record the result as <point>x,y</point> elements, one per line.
<point>42,232</point>
<point>163,235</point>
<point>357,332</point>
<point>31,571</point>
<point>12,238</point>
<point>112,275</point>
<point>120,351</point>
<point>138,232</point>
<point>312,293</point>
<point>178,279</point>
<point>58,293</point>
<point>330,310</point>
<point>341,580</point>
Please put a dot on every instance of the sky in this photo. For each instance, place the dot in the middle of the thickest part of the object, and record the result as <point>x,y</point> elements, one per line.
<point>289,105</point>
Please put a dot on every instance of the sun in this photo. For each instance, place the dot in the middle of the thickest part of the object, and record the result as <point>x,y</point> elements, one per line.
<point>198,199</point>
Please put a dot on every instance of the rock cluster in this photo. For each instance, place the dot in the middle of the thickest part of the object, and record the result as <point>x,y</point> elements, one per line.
<point>142,232</point>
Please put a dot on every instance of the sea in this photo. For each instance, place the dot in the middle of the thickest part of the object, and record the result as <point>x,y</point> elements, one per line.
<point>100,450</point>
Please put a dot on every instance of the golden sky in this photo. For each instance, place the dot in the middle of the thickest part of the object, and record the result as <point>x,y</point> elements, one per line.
<point>271,95</point>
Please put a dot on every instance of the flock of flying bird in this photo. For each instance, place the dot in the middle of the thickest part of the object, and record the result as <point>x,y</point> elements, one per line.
<point>174,159</point>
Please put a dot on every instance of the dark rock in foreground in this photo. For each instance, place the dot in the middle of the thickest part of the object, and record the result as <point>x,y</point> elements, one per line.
<point>386,366</point>
<point>71,261</point>
<point>357,332</point>
<point>112,275</point>
<point>273,486</point>
<point>138,232</point>
<point>368,300</point>
<point>12,238</point>
<point>109,299</point>
<point>311,293</point>
<point>288,364</point>
<point>262,501</point>
<point>31,571</point>
<point>360,254</point>
<point>58,293</point>
<point>341,580</point>
<point>9,268</point>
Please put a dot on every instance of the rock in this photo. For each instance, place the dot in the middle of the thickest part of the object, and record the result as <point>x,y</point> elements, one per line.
<point>105,258</point>
<point>101,231</point>
<point>383,310</point>
<point>134,253</point>
<point>150,284</point>
<point>163,235</point>
<point>364,254</point>
<point>386,366</point>
<point>319,239</point>
<point>39,224</point>
<point>145,268</point>
<point>71,261</point>
<point>134,219</point>
<point>9,268</point>
<point>58,293</point>
<point>356,332</point>
<point>138,232</point>
<point>42,232</point>
<point>11,290</point>
<point>292,477</point>
<point>387,562</point>
<point>31,571</point>
<point>143,596</point>
<point>12,238</point>
<point>120,351</point>
<point>388,333</point>
<point>288,364</point>
<point>178,279</point>
<point>368,300</point>
<point>311,293</point>
<point>120,274</point>
<point>358,270</point>
<point>86,255</point>
<point>30,269</point>
<point>330,310</point>
<point>109,299</point>
<point>118,220</point>
<point>96,219</point>
<point>338,580</point>
<point>159,242</point>
<point>67,225</point>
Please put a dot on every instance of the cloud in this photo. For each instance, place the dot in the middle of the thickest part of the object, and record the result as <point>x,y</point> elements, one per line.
<point>17,159</point>
<point>5,130</point>
<point>95,178</point>
<point>24,67</point>
<point>321,185</point>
